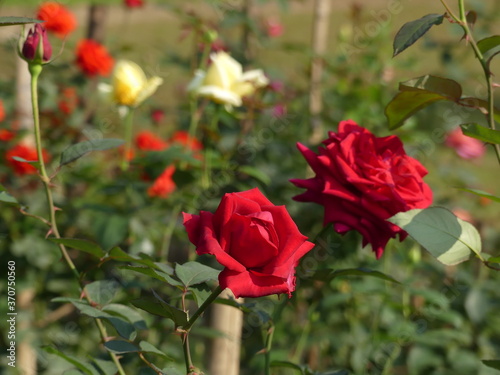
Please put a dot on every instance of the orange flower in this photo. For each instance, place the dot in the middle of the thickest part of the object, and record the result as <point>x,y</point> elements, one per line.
<point>148,141</point>
<point>182,137</point>
<point>163,185</point>
<point>27,153</point>
<point>58,19</point>
<point>93,58</point>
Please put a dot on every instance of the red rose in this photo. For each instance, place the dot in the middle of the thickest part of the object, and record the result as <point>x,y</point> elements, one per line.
<point>68,101</point>
<point>362,180</point>
<point>257,242</point>
<point>58,19</point>
<point>133,3</point>
<point>183,138</point>
<point>6,135</point>
<point>148,141</point>
<point>93,58</point>
<point>27,153</point>
<point>164,184</point>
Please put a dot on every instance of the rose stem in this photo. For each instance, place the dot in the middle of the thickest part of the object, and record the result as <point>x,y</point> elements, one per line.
<point>267,354</point>
<point>128,123</point>
<point>35,70</point>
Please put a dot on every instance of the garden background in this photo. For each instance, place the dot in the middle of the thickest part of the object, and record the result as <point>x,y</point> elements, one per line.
<point>435,319</point>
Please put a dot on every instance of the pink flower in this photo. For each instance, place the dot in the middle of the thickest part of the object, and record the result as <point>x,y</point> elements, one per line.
<point>466,147</point>
<point>274,28</point>
<point>133,3</point>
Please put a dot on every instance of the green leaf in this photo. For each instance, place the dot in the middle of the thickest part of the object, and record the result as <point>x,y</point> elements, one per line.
<point>5,197</point>
<point>146,347</point>
<point>34,163</point>
<point>407,103</point>
<point>438,85</point>
<point>487,44</point>
<point>255,173</point>
<point>121,347</point>
<point>80,149</point>
<point>200,292</point>
<point>161,308</point>
<point>192,273</point>
<point>178,316</point>
<point>82,245</point>
<point>84,307</point>
<point>156,274</point>
<point>101,292</point>
<point>118,254</point>
<point>482,133</point>
<point>482,194</point>
<point>82,366</point>
<point>127,313</point>
<point>124,328</point>
<point>286,365</point>
<point>493,363</point>
<point>440,232</point>
<point>106,367</point>
<point>11,21</point>
<point>361,271</point>
<point>414,30</point>
<point>110,230</point>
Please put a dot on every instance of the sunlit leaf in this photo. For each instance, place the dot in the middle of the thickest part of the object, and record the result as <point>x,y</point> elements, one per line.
<point>407,103</point>
<point>438,85</point>
<point>414,30</point>
<point>482,133</point>
<point>192,273</point>
<point>448,238</point>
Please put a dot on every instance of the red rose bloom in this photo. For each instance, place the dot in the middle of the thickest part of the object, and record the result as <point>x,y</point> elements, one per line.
<point>163,185</point>
<point>182,137</point>
<point>93,58</point>
<point>2,111</point>
<point>133,3</point>
<point>257,242</point>
<point>148,141</point>
<point>362,180</point>
<point>69,100</point>
<point>27,153</point>
<point>6,135</point>
<point>58,19</point>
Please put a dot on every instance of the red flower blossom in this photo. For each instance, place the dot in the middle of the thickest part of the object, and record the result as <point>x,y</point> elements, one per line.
<point>27,153</point>
<point>182,137</point>
<point>273,28</point>
<point>2,111</point>
<point>148,141</point>
<point>466,147</point>
<point>93,58</point>
<point>157,115</point>
<point>58,19</point>
<point>257,242</point>
<point>133,3</point>
<point>362,180</point>
<point>164,185</point>
<point>6,135</point>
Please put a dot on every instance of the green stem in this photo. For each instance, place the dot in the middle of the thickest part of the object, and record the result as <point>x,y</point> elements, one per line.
<point>35,70</point>
<point>169,230</point>
<point>187,352</point>
<point>267,355</point>
<point>484,64</point>
<point>128,123</point>
<point>449,11</point>
<point>203,307</point>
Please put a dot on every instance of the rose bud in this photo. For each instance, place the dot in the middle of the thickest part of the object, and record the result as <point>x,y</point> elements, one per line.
<point>36,48</point>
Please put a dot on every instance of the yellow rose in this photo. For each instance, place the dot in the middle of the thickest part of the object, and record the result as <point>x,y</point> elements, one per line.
<point>130,86</point>
<point>224,81</point>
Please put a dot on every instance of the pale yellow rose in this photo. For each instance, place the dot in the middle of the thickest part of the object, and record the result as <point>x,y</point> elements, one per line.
<point>224,81</point>
<point>130,86</point>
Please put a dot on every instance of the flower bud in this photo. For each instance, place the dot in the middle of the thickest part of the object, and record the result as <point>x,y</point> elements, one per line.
<point>36,47</point>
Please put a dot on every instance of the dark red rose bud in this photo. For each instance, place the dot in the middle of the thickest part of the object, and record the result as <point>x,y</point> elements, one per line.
<point>36,47</point>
